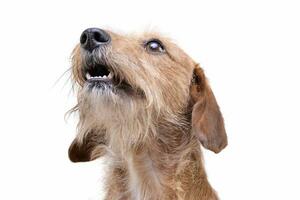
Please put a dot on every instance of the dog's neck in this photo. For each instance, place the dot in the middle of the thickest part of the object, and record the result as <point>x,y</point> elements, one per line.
<point>166,165</point>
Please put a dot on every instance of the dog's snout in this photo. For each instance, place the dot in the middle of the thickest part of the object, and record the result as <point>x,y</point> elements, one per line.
<point>92,38</point>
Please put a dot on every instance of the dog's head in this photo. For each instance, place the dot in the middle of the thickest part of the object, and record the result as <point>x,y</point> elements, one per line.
<point>129,84</point>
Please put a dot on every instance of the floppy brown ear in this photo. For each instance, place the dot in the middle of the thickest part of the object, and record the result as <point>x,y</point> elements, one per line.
<point>207,119</point>
<point>90,148</point>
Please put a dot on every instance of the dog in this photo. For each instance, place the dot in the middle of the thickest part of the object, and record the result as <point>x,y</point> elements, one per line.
<point>146,106</point>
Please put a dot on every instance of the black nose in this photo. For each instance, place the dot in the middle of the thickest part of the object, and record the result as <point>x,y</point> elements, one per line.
<point>92,38</point>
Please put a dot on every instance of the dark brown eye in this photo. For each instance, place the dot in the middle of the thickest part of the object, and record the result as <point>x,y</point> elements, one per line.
<point>154,46</point>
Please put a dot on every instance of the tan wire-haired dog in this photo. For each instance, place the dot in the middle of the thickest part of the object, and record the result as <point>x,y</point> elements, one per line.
<point>147,105</point>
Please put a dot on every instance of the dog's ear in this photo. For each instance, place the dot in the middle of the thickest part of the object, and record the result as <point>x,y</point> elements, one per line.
<point>87,149</point>
<point>207,120</point>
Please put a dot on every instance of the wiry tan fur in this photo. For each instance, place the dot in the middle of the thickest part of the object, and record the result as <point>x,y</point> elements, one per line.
<point>151,134</point>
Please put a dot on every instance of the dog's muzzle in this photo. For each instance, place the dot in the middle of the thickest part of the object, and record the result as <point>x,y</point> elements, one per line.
<point>96,68</point>
<point>95,73</point>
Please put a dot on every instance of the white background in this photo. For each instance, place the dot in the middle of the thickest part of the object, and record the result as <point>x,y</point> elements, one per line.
<point>250,51</point>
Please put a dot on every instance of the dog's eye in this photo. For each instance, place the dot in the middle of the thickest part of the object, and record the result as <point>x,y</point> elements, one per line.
<point>154,46</point>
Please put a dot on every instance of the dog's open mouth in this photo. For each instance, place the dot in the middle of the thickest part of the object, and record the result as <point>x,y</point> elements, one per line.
<point>102,76</point>
<point>98,73</point>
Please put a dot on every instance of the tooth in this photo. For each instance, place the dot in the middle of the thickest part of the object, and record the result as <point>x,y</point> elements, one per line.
<point>109,75</point>
<point>104,76</point>
<point>88,76</point>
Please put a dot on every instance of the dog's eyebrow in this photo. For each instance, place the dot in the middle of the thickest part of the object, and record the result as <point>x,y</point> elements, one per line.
<point>153,39</point>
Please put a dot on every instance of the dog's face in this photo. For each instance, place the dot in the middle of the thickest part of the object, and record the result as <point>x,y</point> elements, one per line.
<point>131,83</point>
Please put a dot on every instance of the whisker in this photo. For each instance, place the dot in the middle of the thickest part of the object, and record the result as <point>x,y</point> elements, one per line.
<point>60,77</point>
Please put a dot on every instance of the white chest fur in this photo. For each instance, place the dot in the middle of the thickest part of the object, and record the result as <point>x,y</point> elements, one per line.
<point>144,178</point>
<point>134,180</point>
